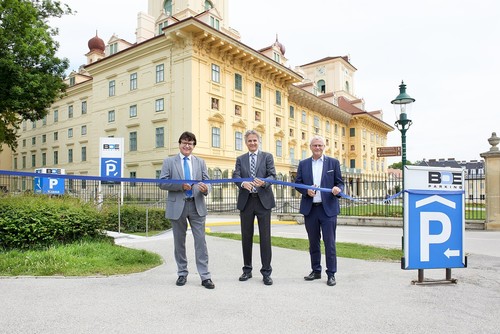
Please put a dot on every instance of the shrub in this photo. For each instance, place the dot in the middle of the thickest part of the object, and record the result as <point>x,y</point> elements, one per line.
<point>133,219</point>
<point>37,221</point>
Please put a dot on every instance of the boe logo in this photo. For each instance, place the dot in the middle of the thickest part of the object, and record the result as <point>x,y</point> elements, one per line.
<point>445,180</point>
<point>115,147</point>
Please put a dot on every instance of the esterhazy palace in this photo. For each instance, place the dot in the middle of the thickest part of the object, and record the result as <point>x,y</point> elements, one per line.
<point>189,71</point>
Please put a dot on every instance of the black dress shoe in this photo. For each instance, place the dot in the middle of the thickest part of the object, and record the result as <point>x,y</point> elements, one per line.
<point>331,281</point>
<point>312,276</point>
<point>268,280</point>
<point>181,281</point>
<point>208,284</point>
<point>245,276</point>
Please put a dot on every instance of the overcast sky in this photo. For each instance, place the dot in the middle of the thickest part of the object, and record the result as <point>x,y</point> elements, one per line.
<point>446,51</point>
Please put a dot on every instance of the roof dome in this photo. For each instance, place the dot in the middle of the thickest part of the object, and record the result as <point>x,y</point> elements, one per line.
<point>95,43</point>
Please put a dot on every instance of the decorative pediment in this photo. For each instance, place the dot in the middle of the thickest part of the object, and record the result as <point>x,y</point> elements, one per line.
<point>239,124</point>
<point>260,129</point>
<point>217,118</point>
<point>279,134</point>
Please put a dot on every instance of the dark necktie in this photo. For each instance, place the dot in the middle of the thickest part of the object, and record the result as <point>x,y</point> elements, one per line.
<point>252,169</point>
<point>252,164</point>
<point>187,175</point>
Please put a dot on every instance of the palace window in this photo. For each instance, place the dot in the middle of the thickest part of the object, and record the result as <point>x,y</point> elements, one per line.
<point>215,73</point>
<point>238,82</point>
<point>132,141</point>
<point>258,89</point>
<point>215,137</point>
<point>160,73</point>
<point>160,137</point>
<point>133,81</point>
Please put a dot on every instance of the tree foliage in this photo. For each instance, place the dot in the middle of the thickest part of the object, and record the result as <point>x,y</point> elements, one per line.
<point>31,76</point>
<point>399,165</point>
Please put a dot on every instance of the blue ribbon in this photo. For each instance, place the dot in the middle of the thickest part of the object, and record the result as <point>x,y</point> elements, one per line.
<point>170,181</point>
<point>174,181</point>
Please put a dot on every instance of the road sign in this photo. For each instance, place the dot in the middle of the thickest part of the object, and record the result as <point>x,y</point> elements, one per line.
<point>49,185</point>
<point>111,160</point>
<point>434,218</point>
<point>389,151</point>
<point>111,167</point>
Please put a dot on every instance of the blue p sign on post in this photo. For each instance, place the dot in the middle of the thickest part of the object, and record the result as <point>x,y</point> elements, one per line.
<point>434,218</point>
<point>111,158</point>
<point>435,231</point>
<point>49,185</point>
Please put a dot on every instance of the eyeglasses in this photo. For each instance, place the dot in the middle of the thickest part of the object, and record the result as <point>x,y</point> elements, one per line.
<point>185,143</point>
<point>317,145</point>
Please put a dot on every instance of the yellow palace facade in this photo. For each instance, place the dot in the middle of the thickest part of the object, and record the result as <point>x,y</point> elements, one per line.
<point>189,71</point>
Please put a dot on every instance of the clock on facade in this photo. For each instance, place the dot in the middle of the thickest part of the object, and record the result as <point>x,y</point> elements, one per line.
<point>321,70</point>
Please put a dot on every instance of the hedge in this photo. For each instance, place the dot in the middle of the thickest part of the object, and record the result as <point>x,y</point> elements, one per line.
<point>37,221</point>
<point>133,219</point>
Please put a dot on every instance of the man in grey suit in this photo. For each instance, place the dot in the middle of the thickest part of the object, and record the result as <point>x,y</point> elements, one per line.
<point>185,202</point>
<point>255,199</point>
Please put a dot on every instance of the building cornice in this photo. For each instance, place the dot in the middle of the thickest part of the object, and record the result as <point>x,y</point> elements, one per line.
<point>311,101</point>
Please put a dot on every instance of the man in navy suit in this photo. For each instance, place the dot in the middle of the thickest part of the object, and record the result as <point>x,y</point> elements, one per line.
<point>255,199</point>
<point>320,209</point>
<point>185,202</point>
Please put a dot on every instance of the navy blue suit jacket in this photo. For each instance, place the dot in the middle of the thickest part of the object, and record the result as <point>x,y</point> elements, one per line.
<point>331,177</point>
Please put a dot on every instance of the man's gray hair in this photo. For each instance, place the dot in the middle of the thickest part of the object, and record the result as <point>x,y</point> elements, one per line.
<point>252,132</point>
<point>317,137</point>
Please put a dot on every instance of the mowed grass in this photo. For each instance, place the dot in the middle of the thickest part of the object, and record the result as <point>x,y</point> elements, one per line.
<point>103,258</point>
<point>344,249</point>
<point>85,258</point>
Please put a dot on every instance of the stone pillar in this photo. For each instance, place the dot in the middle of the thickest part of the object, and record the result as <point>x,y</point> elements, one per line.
<point>492,190</point>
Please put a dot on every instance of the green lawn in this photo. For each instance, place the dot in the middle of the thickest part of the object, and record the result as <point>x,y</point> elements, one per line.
<point>103,258</point>
<point>86,258</point>
<point>347,250</point>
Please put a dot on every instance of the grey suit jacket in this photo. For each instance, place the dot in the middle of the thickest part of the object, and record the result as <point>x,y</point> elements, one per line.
<point>172,170</point>
<point>264,169</point>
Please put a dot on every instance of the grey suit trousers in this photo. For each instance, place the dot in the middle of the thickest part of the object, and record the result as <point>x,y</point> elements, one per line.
<point>179,228</point>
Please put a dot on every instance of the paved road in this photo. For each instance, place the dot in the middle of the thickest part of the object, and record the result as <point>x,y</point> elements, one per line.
<point>370,297</point>
<point>475,241</point>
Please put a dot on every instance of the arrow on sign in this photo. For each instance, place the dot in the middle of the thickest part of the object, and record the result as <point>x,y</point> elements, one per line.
<point>435,198</point>
<point>450,252</point>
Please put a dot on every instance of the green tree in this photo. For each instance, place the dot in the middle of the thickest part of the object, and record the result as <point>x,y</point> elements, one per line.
<point>399,165</point>
<point>31,76</point>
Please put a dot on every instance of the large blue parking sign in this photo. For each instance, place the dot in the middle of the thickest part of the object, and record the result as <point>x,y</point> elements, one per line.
<point>111,167</point>
<point>435,231</point>
<point>434,218</point>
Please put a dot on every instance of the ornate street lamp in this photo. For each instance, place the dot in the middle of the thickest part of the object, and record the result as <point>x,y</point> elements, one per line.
<point>402,104</point>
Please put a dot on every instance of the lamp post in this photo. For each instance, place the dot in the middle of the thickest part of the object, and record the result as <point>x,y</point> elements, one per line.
<point>402,104</point>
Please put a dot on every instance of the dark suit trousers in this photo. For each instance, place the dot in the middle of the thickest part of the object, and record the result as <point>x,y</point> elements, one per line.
<point>254,209</point>
<point>317,223</point>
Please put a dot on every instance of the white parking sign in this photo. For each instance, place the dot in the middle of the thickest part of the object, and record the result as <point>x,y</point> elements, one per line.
<point>434,218</point>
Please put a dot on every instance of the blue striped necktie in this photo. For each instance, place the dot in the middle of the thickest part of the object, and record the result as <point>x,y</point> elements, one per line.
<point>252,169</point>
<point>252,164</point>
